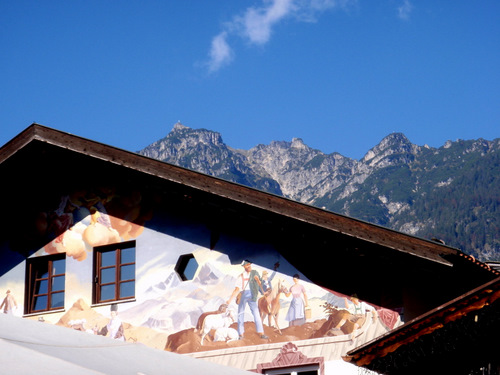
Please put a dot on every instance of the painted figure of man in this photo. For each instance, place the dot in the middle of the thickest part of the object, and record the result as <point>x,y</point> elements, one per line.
<point>9,303</point>
<point>358,308</point>
<point>249,283</point>
<point>359,311</point>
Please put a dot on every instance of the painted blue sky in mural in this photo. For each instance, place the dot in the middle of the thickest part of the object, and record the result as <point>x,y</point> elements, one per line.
<point>340,74</point>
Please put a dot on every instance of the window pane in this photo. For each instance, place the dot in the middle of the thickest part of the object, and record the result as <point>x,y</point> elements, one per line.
<point>191,268</point>
<point>42,287</point>
<point>107,292</point>
<point>127,289</point>
<point>58,283</point>
<point>42,270</point>
<point>40,303</point>
<point>108,275</point>
<point>57,300</point>
<point>108,258</point>
<point>128,255</point>
<point>58,267</point>
<point>127,272</point>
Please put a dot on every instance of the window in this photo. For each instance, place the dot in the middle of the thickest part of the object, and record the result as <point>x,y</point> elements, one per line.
<point>45,283</point>
<point>114,272</point>
<point>186,267</point>
<point>299,370</point>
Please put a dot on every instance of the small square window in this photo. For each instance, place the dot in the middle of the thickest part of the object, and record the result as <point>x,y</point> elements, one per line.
<point>114,272</point>
<point>45,283</point>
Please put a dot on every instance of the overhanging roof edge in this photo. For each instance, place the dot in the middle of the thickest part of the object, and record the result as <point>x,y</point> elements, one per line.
<point>365,231</point>
<point>455,306</point>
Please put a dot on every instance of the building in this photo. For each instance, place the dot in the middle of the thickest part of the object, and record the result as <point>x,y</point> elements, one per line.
<point>114,243</point>
<point>459,337</point>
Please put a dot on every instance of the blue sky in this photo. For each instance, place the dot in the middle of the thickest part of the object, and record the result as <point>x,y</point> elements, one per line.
<point>339,74</point>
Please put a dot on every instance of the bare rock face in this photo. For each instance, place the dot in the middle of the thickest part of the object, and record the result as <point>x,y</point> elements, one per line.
<point>302,172</point>
<point>204,151</point>
<point>444,192</point>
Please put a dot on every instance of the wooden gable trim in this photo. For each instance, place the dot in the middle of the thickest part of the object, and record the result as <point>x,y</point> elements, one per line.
<point>365,231</point>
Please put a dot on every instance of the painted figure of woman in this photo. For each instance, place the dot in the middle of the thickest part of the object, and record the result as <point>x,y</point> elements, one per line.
<point>114,328</point>
<point>296,313</point>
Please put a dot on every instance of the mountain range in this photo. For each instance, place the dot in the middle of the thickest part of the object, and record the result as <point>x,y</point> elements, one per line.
<point>450,194</point>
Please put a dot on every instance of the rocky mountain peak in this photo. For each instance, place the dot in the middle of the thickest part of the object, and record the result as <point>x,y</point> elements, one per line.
<point>395,143</point>
<point>190,137</point>
<point>179,126</point>
<point>396,184</point>
<point>299,143</point>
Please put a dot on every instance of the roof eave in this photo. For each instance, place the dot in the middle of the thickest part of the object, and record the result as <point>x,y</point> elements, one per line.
<point>369,232</point>
<point>427,323</point>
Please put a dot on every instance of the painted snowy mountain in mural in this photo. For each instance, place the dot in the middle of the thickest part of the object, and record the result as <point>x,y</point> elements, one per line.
<point>169,315</point>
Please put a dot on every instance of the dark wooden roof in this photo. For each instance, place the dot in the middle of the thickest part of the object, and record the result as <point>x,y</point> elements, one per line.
<point>458,337</point>
<point>392,239</point>
<point>327,247</point>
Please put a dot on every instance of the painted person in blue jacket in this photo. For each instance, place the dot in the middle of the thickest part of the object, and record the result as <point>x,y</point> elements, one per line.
<point>248,283</point>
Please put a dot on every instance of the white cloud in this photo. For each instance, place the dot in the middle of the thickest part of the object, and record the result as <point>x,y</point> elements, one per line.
<point>255,24</point>
<point>405,9</point>
<point>220,52</point>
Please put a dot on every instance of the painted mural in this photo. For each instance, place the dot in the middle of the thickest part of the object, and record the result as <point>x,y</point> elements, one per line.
<point>88,218</point>
<point>240,293</point>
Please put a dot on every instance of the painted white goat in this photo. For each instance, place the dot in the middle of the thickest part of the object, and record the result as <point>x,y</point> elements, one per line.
<point>215,322</point>
<point>79,325</point>
<point>226,334</point>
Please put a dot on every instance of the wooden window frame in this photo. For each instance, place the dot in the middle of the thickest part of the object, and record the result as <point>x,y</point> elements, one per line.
<point>294,370</point>
<point>33,267</point>
<point>118,281</point>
